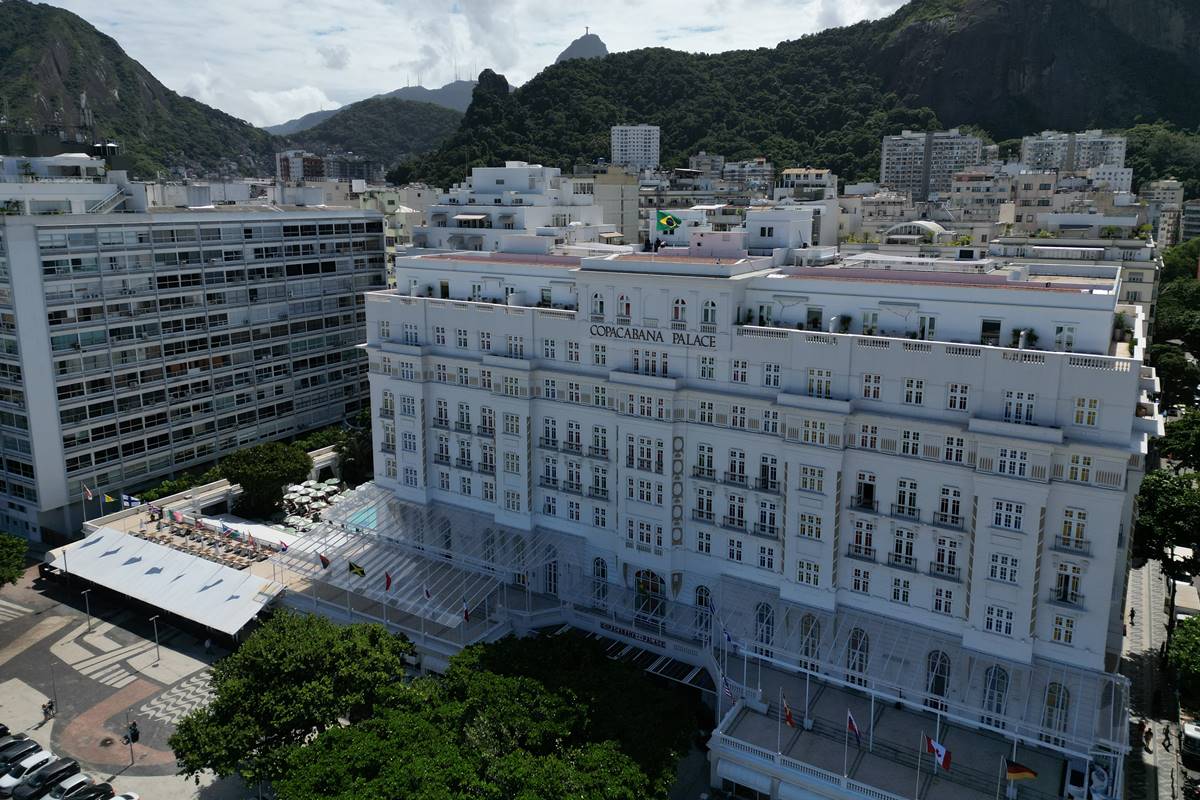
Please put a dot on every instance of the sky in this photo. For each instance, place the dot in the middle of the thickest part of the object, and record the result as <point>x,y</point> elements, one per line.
<point>268,61</point>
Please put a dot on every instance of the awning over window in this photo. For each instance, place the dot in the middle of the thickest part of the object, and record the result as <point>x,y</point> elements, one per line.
<point>470,217</point>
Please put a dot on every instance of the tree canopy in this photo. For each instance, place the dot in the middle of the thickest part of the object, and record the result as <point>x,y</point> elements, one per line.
<point>1181,442</point>
<point>291,679</point>
<point>263,471</point>
<point>1168,506</point>
<point>12,558</point>
<point>1184,655</point>
<point>1178,376</point>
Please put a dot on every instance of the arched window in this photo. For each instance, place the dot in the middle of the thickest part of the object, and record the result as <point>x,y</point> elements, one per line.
<point>599,583</point>
<point>764,629</point>
<point>679,310</point>
<point>1054,714</point>
<point>624,307</point>
<point>937,679</point>
<point>598,304</point>
<point>709,312</point>
<point>650,596</point>
<point>703,613</point>
<point>995,696</point>
<point>858,653</point>
<point>810,642</point>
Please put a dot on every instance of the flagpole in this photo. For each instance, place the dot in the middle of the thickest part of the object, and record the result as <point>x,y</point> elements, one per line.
<point>845,745</point>
<point>917,790</point>
<point>871,739</point>
<point>779,723</point>
<point>1000,780</point>
<point>807,677</point>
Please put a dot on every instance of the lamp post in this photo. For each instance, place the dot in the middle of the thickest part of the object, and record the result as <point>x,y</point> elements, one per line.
<point>157,652</point>
<point>88,604</point>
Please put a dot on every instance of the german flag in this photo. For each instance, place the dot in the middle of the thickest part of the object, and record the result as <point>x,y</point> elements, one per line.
<point>355,569</point>
<point>1018,772</point>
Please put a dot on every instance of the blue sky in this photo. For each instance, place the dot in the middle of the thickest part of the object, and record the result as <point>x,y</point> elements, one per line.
<point>267,61</point>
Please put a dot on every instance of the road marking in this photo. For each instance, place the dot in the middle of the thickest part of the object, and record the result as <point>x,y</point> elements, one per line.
<point>10,611</point>
<point>181,699</point>
<point>46,627</point>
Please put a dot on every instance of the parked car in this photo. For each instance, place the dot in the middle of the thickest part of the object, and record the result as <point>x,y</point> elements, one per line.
<point>16,752</point>
<point>1191,745</point>
<point>99,791</point>
<point>36,785</point>
<point>9,741</point>
<point>69,788</point>
<point>19,771</point>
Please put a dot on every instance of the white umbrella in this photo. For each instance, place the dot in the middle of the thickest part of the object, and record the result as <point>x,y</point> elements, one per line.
<point>320,504</point>
<point>312,484</point>
<point>332,482</point>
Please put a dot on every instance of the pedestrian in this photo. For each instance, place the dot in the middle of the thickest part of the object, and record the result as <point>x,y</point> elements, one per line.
<point>1148,739</point>
<point>208,647</point>
<point>1132,612</point>
<point>1166,738</point>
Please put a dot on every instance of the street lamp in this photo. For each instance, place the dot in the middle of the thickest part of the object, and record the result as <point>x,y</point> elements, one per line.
<point>157,652</point>
<point>88,603</point>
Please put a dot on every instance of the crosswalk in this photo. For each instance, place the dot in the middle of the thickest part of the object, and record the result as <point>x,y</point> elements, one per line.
<point>10,611</point>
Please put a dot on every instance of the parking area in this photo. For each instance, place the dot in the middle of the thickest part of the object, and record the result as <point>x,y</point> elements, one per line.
<point>104,663</point>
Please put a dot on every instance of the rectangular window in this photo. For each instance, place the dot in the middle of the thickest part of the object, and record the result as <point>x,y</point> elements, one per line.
<point>1003,568</point>
<point>599,355</point>
<point>706,411</point>
<point>1086,411</point>
<point>1080,469</point>
<point>914,391</point>
<point>485,341</point>
<point>1012,462</point>
<point>461,338</point>
<point>808,573</point>
<point>770,421</point>
<point>410,476</point>
<point>910,443</point>
<point>489,491</point>
<point>1018,407</point>
<point>708,368</point>
<point>954,450</point>
<point>1008,515</point>
<point>1064,629</point>
<point>512,501</point>
<point>814,432</point>
<point>901,588</point>
<point>408,406</point>
<point>573,510</point>
<point>957,397</point>
<point>861,580</point>
<point>573,352</point>
<point>766,557</point>
<point>512,424</point>
<point>549,348</point>
<point>737,416</point>
<point>704,542</point>
<point>738,371</point>
<point>771,376</point>
<point>512,463</point>
<point>600,396</point>
<point>812,479</point>
<point>810,526</point>
<point>550,389</point>
<point>871,386</point>
<point>820,383</point>
<point>735,550</point>
<point>999,620</point>
<point>439,334</point>
<point>485,379</point>
<point>600,517</point>
<point>943,601</point>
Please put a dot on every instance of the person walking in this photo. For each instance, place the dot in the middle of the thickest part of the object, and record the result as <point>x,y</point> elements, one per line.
<point>208,646</point>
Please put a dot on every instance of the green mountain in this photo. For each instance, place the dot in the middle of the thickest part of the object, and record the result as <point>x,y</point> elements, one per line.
<point>56,71</point>
<point>1010,67</point>
<point>382,129</point>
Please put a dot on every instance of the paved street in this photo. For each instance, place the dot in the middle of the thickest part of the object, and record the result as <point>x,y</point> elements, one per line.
<point>1152,773</point>
<point>101,674</point>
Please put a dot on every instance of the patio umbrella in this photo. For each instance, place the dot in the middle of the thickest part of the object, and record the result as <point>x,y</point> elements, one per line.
<point>332,482</point>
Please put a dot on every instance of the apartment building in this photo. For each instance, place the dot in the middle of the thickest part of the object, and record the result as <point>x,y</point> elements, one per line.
<point>754,174</point>
<point>518,199</point>
<point>138,345</point>
<point>1054,150</point>
<point>923,163</point>
<point>635,146</point>
<point>300,165</point>
<point>980,195</point>
<point>1190,221</point>
<point>906,486</point>
<point>807,183</point>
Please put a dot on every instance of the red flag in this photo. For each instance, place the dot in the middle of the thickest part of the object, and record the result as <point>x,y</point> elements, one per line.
<point>282,546</point>
<point>940,753</point>
<point>324,561</point>
<point>852,726</point>
<point>387,581</point>
<point>787,713</point>
<point>466,612</point>
<point>87,492</point>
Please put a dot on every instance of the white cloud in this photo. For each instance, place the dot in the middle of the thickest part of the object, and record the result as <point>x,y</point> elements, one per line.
<point>334,52</point>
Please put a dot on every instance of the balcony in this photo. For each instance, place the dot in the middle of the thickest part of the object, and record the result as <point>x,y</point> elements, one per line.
<point>387,448</point>
<point>733,523</point>
<point>598,492</point>
<point>766,529</point>
<point>441,458</point>
<point>678,325</point>
<point>384,413</point>
<point>950,572</point>
<point>861,503</point>
<point>485,468</point>
<point>862,552</point>
<point>547,443</point>
<point>572,487</point>
<point>701,515</point>
<point>623,319</point>
<point>735,478</point>
<point>1072,546</point>
<point>572,447</point>
<point>1061,596</point>
<point>708,327</point>
<point>463,463</point>
<point>704,473</point>
<point>548,482</point>
<point>598,452</point>
<point>952,521</point>
<point>462,427</point>
<point>486,430</point>
<point>769,485</point>
<point>902,561</point>
<point>906,512</point>
<point>437,422</point>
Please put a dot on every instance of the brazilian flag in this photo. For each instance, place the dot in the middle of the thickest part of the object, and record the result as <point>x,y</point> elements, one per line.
<point>667,221</point>
<point>355,569</point>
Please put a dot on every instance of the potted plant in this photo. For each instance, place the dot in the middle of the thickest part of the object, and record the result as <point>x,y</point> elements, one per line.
<point>844,323</point>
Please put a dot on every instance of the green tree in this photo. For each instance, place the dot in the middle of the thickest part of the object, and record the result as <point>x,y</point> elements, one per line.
<point>356,451</point>
<point>12,558</point>
<point>1168,506</point>
<point>294,677</point>
<point>263,471</point>
<point>1181,261</point>
<point>1184,656</point>
<point>1178,376</point>
<point>1181,442</point>
<point>325,437</point>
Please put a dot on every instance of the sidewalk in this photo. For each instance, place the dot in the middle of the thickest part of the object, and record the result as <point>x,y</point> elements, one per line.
<point>1154,774</point>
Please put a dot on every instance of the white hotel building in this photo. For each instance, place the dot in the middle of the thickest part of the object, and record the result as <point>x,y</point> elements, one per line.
<point>847,470</point>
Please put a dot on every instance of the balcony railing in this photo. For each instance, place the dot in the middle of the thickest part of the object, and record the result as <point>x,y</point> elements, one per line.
<point>548,482</point>
<point>386,412</point>
<point>944,520</point>
<point>902,561</point>
<point>572,447</point>
<point>770,485</point>
<point>701,515</point>
<point>572,487</point>
<point>861,552</point>
<point>486,430</point>
<point>705,473</point>
<point>463,463</point>
<point>861,503</point>
<point>440,423</point>
<point>906,512</point>
<point>948,571</point>
<point>598,452</point>
<point>1060,596</point>
<point>462,427</point>
<point>441,458</point>
<point>1072,545</point>
<point>766,529</point>
<point>733,523</point>
<point>735,478</point>
<point>547,443</point>
<point>598,492</point>
<point>387,448</point>
<point>486,469</point>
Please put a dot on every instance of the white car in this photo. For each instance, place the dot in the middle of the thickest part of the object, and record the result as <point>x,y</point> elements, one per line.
<point>17,774</point>
<point>70,786</point>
